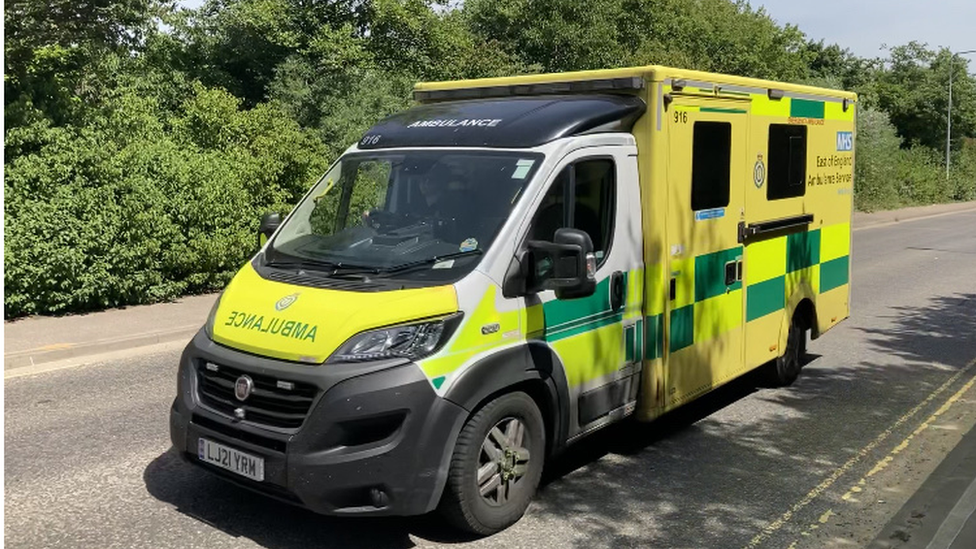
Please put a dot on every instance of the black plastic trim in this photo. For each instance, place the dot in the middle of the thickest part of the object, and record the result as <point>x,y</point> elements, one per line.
<point>599,402</point>
<point>533,361</point>
<point>374,428</point>
<point>775,225</point>
<point>515,122</point>
<point>631,83</point>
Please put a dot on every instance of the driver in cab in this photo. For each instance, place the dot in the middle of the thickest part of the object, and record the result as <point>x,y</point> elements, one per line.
<point>440,194</point>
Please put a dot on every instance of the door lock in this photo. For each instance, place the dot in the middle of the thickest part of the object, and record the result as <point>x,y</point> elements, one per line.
<point>733,272</point>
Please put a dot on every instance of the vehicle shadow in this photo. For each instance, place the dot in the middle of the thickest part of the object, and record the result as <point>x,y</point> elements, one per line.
<point>241,513</point>
<point>270,523</point>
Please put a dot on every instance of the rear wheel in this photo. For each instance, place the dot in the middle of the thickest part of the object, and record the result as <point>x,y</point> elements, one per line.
<point>496,466</point>
<point>784,370</point>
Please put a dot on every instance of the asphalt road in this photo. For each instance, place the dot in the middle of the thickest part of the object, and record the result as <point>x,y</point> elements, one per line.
<point>825,462</point>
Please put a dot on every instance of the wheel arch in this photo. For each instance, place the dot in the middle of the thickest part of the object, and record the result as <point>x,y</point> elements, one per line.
<point>803,302</point>
<point>533,368</point>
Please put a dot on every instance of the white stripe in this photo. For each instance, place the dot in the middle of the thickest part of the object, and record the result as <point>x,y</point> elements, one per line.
<point>954,523</point>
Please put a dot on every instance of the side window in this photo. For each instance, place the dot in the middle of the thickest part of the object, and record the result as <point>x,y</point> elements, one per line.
<point>787,161</point>
<point>594,204</point>
<point>362,187</point>
<point>711,163</point>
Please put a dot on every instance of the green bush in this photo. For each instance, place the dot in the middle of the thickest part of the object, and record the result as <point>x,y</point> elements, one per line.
<point>921,177</point>
<point>877,151</point>
<point>963,172</point>
<point>889,176</point>
<point>104,216</point>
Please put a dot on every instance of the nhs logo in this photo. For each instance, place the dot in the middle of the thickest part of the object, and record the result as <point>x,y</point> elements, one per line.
<point>845,141</point>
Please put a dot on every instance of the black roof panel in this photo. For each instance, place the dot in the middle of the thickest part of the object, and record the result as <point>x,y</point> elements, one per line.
<point>504,122</point>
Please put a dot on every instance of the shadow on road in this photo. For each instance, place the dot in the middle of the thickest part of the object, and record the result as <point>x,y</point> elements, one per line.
<point>693,479</point>
<point>690,479</point>
<point>273,524</point>
<point>943,332</point>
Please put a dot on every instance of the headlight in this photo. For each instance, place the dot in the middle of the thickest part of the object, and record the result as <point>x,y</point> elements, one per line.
<point>209,326</point>
<point>411,341</point>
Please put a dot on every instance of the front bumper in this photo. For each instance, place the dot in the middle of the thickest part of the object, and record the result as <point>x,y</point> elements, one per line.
<point>377,440</point>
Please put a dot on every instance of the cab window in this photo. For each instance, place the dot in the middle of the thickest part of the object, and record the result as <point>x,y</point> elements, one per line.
<point>592,195</point>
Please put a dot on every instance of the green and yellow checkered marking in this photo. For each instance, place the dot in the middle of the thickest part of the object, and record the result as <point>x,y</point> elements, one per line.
<point>820,258</point>
<point>705,308</point>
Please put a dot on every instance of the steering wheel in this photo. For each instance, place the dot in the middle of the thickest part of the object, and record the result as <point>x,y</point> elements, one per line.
<point>377,219</point>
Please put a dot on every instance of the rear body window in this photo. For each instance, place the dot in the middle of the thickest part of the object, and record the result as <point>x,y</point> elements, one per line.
<point>787,161</point>
<point>711,164</point>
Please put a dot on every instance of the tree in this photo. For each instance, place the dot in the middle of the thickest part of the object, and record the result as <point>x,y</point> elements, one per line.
<point>717,35</point>
<point>58,51</point>
<point>914,91</point>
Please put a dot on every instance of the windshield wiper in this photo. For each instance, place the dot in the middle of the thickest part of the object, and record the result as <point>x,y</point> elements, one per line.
<point>429,261</point>
<point>332,268</point>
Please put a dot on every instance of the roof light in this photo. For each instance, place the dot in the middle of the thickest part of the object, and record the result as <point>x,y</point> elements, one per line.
<point>632,83</point>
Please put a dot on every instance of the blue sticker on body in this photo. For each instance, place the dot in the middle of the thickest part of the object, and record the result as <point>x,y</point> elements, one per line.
<point>469,244</point>
<point>713,213</point>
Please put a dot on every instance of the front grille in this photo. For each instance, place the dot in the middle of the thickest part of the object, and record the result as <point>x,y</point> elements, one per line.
<point>268,404</point>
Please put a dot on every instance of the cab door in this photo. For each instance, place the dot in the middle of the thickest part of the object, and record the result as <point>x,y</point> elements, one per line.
<point>706,172</point>
<point>598,339</point>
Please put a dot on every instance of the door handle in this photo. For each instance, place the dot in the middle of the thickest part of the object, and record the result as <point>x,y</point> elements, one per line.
<point>673,289</point>
<point>617,290</point>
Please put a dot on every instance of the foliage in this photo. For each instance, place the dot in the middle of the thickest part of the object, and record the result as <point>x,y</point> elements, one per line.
<point>878,150</point>
<point>914,91</point>
<point>134,207</point>
<point>557,35</point>
<point>963,174</point>
<point>143,140</point>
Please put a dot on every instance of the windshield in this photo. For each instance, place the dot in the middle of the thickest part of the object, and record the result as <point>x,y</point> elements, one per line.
<point>421,215</point>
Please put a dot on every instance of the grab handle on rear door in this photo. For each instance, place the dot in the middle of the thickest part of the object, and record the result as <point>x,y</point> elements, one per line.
<point>773,225</point>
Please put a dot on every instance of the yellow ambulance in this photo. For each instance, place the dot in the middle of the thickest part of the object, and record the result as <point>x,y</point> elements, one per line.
<point>510,265</point>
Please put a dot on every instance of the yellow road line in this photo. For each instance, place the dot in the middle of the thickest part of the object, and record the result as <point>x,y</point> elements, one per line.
<point>863,452</point>
<point>885,461</point>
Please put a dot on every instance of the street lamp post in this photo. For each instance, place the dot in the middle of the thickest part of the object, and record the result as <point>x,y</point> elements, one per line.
<point>952,59</point>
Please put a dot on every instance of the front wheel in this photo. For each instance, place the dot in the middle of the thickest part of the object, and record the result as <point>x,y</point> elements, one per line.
<point>496,466</point>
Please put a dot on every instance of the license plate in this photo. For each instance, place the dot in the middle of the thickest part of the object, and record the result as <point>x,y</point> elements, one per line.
<point>233,460</point>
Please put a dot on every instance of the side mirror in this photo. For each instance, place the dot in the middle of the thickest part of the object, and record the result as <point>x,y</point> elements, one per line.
<point>567,266</point>
<point>269,224</point>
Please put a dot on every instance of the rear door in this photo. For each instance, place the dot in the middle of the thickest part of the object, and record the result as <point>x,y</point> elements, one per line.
<point>706,172</point>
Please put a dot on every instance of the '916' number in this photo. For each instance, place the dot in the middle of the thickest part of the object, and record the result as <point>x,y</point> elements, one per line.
<point>681,117</point>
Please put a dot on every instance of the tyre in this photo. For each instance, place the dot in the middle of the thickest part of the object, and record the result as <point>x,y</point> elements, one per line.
<point>496,465</point>
<point>783,371</point>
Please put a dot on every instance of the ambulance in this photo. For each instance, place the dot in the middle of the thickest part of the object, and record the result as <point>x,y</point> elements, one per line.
<point>510,265</point>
